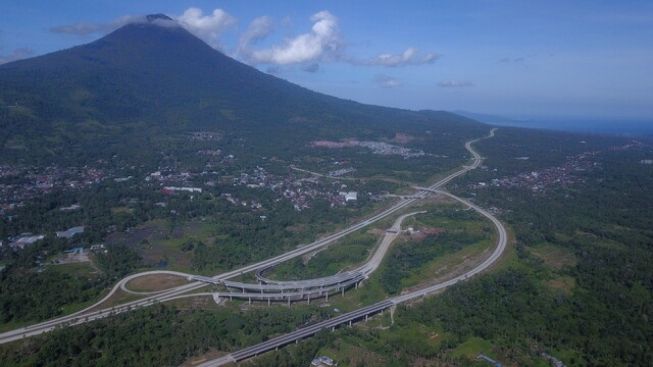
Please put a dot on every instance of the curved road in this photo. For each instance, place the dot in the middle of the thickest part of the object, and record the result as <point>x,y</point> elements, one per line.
<point>365,270</point>
<point>89,314</point>
<point>295,290</point>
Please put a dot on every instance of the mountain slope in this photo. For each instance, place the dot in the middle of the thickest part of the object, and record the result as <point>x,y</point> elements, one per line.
<point>151,77</point>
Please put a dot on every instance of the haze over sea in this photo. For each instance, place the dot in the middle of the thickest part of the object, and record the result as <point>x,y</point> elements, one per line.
<point>594,126</point>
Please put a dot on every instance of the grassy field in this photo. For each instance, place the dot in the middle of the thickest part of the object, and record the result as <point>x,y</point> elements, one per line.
<point>155,282</point>
<point>160,242</point>
<point>344,254</point>
<point>554,256</point>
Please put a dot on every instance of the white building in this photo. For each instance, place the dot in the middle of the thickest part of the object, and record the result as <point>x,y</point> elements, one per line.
<point>23,241</point>
<point>323,361</point>
<point>70,232</point>
<point>349,195</point>
<point>186,189</point>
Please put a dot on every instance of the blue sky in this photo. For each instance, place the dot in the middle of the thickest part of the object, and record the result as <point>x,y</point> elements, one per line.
<point>520,59</point>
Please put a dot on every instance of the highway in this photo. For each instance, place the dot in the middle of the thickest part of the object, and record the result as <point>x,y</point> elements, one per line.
<point>390,235</point>
<point>92,312</point>
<point>331,282</point>
<point>271,290</point>
<point>89,314</point>
<point>364,312</point>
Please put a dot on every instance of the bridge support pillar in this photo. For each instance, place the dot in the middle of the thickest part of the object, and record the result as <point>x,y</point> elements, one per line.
<point>288,301</point>
<point>343,291</point>
<point>327,296</point>
<point>268,301</point>
<point>366,317</point>
<point>349,323</point>
<point>308,300</point>
<point>250,300</point>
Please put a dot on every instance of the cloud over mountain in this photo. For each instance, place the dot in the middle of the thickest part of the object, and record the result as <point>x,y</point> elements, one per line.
<point>322,41</point>
<point>258,29</point>
<point>207,27</point>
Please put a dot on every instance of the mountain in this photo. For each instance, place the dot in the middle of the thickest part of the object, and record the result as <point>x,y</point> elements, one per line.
<point>151,79</point>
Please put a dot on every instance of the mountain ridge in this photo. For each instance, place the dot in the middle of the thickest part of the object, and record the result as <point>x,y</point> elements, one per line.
<point>161,77</point>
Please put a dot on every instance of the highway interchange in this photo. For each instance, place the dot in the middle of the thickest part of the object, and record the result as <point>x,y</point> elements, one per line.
<point>283,290</point>
<point>271,290</point>
<point>364,312</point>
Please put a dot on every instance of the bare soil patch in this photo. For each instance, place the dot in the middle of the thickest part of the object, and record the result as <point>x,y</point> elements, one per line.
<point>403,138</point>
<point>422,233</point>
<point>195,303</point>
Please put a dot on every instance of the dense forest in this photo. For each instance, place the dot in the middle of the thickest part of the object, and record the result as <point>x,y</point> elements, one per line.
<point>578,285</point>
<point>156,336</point>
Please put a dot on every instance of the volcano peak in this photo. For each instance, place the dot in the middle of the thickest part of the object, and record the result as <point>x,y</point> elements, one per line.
<point>159,16</point>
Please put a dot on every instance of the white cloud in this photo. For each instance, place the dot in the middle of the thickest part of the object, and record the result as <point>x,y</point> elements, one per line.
<point>321,42</point>
<point>207,27</point>
<point>386,81</point>
<point>258,29</point>
<point>411,56</point>
<point>455,84</point>
<point>17,54</point>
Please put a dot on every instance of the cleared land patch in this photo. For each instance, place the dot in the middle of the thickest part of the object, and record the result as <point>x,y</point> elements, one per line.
<point>155,282</point>
<point>161,243</point>
<point>553,256</point>
<point>564,284</point>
